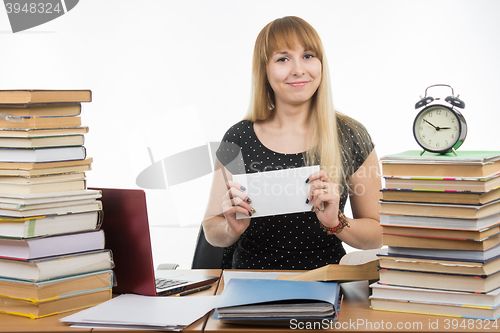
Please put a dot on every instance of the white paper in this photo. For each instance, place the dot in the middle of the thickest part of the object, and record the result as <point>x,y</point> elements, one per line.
<point>277,192</point>
<point>136,310</point>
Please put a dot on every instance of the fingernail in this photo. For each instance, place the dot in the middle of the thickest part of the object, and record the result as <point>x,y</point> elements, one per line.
<point>249,200</point>
<point>253,211</point>
<point>317,209</point>
<point>307,201</point>
<point>243,188</point>
<point>307,180</point>
<point>312,209</point>
<point>249,214</point>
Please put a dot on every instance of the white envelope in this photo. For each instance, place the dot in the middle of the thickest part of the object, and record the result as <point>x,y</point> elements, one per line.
<point>277,192</point>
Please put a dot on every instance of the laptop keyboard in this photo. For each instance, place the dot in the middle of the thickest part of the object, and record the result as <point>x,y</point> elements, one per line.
<point>165,283</point>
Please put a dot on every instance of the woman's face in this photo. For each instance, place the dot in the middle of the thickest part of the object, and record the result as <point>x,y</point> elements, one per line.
<point>294,75</point>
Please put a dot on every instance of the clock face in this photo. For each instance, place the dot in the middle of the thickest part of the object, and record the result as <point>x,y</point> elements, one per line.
<point>437,128</point>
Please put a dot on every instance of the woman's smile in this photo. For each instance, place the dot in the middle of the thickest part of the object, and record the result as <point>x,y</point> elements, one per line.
<point>298,83</point>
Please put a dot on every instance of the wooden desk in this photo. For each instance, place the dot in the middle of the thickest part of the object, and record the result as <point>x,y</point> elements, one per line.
<point>11,323</point>
<point>357,316</point>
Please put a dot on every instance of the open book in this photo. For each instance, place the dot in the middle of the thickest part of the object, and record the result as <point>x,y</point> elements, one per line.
<point>357,265</point>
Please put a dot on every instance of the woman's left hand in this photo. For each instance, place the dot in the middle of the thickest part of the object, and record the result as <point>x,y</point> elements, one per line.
<point>323,191</point>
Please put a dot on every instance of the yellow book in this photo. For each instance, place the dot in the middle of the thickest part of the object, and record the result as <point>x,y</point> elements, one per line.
<point>52,110</point>
<point>35,310</point>
<point>40,122</point>
<point>27,96</point>
<point>56,288</point>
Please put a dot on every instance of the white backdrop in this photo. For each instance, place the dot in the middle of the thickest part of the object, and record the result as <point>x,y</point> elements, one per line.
<point>171,75</point>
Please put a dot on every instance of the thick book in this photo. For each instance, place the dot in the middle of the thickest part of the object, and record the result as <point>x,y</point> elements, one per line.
<point>49,225</point>
<point>356,265</point>
<point>479,256</point>
<point>55,288</point>
<point>489,300</point>
<point>42,132</point>
<point>47,171</point>
<point>55,154</point>
<point>442,281</point>
<point>31,201</point>
<point>62,208</point>
<point>42,178</point>
<point>26,97</point>
<point>50,208</point>
<point>251,299</point>
<point>33,248</point>
<point>44,110</point>
<point>441,243</point>
<point>440,196</point>
<point>439,265</point>
<point>453,234</point>
<point>464,164</point>
<point>440,210</point>
<point>35,310</point>
<point>36,122</point>
<point>434,308</point>
<point>444,184</point>
<point>42,142</point>
<point>439,222</point>
<point>47,268</point>
<point>27,169</point>
<point>472,157</point>
<point>60,186</point>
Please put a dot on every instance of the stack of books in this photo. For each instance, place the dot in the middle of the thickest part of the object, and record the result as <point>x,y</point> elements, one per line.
<point>440,216</point>
<point>52,256</point>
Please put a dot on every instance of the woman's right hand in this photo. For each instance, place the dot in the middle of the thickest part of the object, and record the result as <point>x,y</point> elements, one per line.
<point>235,201</point>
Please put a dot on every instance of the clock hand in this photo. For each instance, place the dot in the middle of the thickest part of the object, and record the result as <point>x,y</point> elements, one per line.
<point>437,128</point>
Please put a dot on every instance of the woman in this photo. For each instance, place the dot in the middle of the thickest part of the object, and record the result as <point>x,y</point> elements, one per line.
<point>291,123</point>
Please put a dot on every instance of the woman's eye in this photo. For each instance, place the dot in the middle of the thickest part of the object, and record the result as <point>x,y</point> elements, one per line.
<point>283,59</point>
<point>309,56</point>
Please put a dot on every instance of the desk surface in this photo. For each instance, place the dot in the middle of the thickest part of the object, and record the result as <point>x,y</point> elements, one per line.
<point>355,315</point>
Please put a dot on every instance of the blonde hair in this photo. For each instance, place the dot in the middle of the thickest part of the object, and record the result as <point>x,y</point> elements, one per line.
<point>322,142</point>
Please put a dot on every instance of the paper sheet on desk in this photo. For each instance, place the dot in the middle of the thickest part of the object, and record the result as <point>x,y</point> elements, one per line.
<point>277,192</point>
<point>145,311</point>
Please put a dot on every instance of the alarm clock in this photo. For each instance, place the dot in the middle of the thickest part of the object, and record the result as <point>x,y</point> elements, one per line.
<point>439,127</point>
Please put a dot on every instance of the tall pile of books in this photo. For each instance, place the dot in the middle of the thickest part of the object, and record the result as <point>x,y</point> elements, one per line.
<point>52,256</point>
<point>440,216</point>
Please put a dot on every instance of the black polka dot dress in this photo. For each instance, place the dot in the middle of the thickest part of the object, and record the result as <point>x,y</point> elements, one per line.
<point>290,241</point>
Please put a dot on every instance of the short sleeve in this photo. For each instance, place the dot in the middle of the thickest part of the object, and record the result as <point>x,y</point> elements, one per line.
<point>355,141</point>
<point>229,151</point>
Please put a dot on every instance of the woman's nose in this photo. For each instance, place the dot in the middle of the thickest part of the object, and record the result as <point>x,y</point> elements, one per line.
<point>298,68</point>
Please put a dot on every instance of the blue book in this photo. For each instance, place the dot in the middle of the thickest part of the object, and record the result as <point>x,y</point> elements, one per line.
<point>255,299</point>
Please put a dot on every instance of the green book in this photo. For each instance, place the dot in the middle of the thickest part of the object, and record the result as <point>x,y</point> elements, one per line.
<point>462,157</point>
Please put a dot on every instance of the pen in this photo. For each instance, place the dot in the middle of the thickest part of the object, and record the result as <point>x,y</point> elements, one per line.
<point>192,291</point>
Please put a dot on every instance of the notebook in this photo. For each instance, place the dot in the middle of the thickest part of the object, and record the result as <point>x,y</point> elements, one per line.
<point>126,230</point>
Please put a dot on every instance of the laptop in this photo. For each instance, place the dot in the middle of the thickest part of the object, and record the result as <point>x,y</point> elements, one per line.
<point>126,230</point>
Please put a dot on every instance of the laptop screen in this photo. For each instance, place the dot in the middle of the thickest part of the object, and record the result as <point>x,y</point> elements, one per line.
<point>126,230</point>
